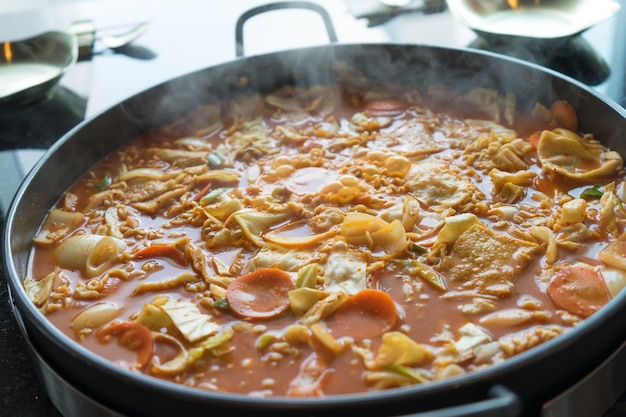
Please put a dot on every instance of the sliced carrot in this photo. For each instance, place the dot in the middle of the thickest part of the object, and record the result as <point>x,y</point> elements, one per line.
<point>578,290</point>
<point>202,192</point>
<point>389,107</point>
<point>162,250</point>
<point>261,294</point>
<point>564,115</point>
<point>368,313</point>
<point>132,336</point>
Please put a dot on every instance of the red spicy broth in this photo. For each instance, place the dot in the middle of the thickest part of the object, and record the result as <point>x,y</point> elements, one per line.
<point>328,240</point>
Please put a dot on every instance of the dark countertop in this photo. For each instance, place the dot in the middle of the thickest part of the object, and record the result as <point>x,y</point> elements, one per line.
<point>20,391</point>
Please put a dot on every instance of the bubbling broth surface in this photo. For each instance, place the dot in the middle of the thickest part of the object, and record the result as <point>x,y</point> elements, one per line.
<point>336,239</point>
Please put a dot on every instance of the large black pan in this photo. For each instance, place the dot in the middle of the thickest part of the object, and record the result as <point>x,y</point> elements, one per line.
<point>81,383</point>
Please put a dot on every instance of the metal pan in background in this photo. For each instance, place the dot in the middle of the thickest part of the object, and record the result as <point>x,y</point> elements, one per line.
<point>31,68</point>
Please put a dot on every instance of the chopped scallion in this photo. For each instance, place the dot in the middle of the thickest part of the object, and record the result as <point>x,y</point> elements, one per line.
<point>418,248</point>
<point>212,196</point>
<point>105,182</point>
<point>215,159</point>
<point>221,304</point>
<point>593,193</point>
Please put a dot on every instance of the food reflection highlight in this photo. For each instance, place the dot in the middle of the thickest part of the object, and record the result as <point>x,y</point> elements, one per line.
<point>8,53</point>
<point>336,239</point>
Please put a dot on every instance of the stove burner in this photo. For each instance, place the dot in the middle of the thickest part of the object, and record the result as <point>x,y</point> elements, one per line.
<point>572,56</point>
<point>40,124</point>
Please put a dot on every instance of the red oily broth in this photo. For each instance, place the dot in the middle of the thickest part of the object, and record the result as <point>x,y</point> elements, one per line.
<point>405,262</point>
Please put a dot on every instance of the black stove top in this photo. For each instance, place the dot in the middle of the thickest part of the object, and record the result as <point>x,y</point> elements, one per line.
<point>39,125</point>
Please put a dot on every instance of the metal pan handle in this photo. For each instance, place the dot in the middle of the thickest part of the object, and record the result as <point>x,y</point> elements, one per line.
<point>501,403</point>
<point>330,29</point>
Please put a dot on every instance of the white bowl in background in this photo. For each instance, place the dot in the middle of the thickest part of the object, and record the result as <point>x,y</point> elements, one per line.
<point>536,19</point>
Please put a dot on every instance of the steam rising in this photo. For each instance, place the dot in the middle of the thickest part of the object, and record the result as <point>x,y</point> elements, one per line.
<point>411,64</point>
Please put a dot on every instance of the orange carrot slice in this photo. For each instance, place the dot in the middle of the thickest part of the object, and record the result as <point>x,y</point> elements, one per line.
<point>578,290</point>
<point>368,313</point>
<point>389,107</point>
<point>261,294</point>
<point>162,250</point>
<point>132,336</point>
<point>205,190</point>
